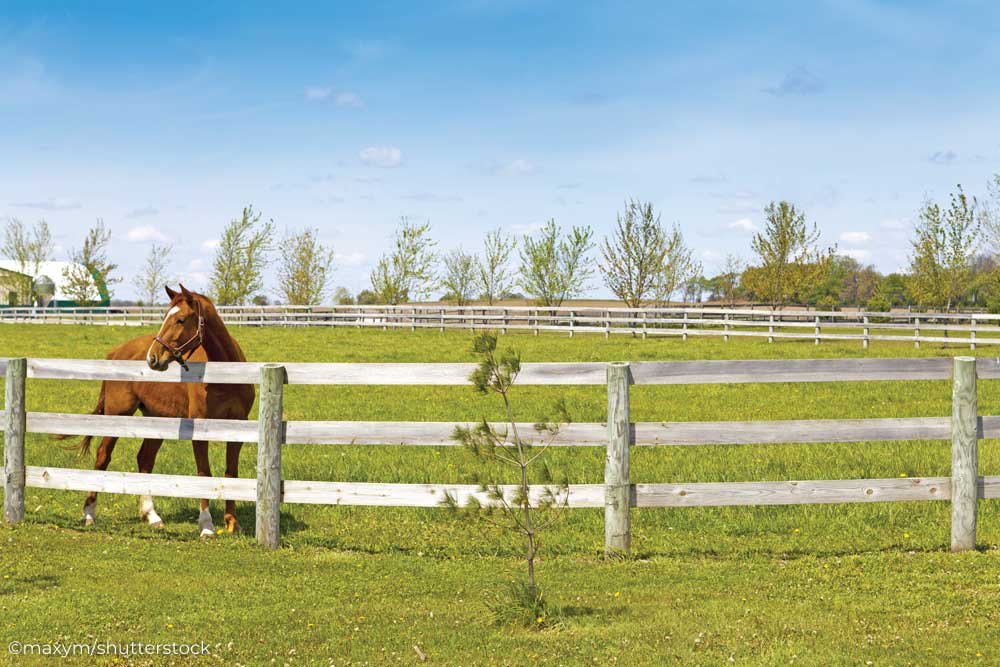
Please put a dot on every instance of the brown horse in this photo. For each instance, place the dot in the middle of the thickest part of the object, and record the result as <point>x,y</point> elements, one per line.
<point>191,331</point>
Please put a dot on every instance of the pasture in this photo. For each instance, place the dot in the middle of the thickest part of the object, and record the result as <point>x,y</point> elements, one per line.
<point>837,584</point>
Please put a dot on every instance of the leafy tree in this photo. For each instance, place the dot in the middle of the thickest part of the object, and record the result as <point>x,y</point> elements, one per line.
<point>495,277</point>
<point>29,248</point>
<point>635,256</point>
<point>242,255</point>
<point>554,266</point>
<point>944,244</point>
<point>895,287</point>
<point>149,283</point>
<point>789,262</point>
<point>408,271</point>
<point>305,267</point>
<point>260,300</point>
<point>90,267</point>
<point>366,297</point>
<point>729,279</point>
<point>521,511</point>
<point>678,270</point>
<point>459,280</point>
<point>342,297</point>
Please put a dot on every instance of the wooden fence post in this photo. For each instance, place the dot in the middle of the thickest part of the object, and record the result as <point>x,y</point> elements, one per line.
<point>816,342</point>
<point>617,486</point>
<point>770,329</point>
<point>964,455</point>
<point>13,441</point>
<point>916,332</point>
<point>972,333</point>
<point>864,342</point>
<point>271,436</point>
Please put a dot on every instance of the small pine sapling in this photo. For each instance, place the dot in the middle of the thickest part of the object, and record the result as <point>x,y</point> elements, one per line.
<point>521,509</point>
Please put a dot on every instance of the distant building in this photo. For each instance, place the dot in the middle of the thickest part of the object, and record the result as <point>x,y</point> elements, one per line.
<point>17,288</point>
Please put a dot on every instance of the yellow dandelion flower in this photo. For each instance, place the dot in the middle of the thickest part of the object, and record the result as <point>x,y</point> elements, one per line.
<point>540,620</point>
<point>618,594</point>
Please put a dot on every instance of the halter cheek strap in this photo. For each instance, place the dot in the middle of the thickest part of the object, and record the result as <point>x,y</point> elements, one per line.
<point>182,352</point>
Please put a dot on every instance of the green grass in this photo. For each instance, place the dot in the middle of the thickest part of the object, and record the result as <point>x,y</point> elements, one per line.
<point>839,584</point>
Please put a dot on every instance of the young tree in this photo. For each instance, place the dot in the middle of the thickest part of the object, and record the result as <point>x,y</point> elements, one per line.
<point>342,297</point>
<point>635,257</point>
<point>149,283</point>
<point>90,267</point>
<point>944,244</point>
<point>789,261</point>
<point>554,266</point>
<point>238,269</point>
<point>408,271</point>
<point>729,279</point>
<point>679,267</point>
<point>459,279</point>
<point>305,267</point>
<point>990,213</point>
<point>521,511</point>
<point>29,248</point>
<point>495,277</point>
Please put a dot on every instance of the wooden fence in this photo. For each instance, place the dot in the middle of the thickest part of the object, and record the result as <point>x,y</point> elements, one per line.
<point>960,328</point>
<point>616,495</point>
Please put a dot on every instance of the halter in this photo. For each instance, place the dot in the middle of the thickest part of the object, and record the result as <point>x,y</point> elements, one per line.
<point>182,352</point>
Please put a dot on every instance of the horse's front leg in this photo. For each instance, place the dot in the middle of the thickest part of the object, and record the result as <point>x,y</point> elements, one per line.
<point>205,525</point>
<point>146,458</point>
<point>232,470</point>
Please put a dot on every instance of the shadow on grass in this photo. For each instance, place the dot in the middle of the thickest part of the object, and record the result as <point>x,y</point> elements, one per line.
<point>33,584</point>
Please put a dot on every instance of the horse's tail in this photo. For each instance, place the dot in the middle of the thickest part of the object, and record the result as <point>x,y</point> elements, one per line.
<point>83,447</point>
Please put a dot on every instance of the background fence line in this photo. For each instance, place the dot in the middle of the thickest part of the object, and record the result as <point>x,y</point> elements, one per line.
<point>852,324</point>
<point>618,434</point>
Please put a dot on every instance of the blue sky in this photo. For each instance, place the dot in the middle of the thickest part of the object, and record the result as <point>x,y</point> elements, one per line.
<point>476,114</point>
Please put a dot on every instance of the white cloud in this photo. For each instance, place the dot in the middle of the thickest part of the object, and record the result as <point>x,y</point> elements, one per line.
<point>529,228</point>
<point>349,100</point>
<point>858,254</point>
<point>743,225</point>
<point>210,245</point>
<point>855,238</point>
<point>350,259</point>
<point>517,167</point>
<point>316,93</point>
<point>381,156</point>
<point>145,233</point>
<point>893,224</point>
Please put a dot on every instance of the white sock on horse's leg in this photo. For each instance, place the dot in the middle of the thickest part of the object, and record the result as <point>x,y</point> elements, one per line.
<point>89,514</point>
<point>147,512</point>
<point>205,524</point>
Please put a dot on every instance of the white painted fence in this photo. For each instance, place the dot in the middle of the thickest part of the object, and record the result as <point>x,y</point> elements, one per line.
<point>959,328</point>
<point>616,495</point>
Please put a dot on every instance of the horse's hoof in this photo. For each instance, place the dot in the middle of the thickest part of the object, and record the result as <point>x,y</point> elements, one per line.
<point>207,532</point>
<point>156,525</point>
<point>87,521</point>
<point>233,527</point>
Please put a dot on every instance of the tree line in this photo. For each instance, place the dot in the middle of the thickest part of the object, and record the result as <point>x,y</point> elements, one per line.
<point>953,261</point>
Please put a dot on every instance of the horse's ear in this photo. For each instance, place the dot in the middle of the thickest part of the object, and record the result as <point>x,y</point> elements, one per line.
<point>170,293</point>
<point>187,295</point>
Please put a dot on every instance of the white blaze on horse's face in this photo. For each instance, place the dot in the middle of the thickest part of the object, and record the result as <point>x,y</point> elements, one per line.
<point>179,325</point>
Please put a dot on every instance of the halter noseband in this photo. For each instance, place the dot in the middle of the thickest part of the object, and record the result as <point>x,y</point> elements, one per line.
<point>182,352</point>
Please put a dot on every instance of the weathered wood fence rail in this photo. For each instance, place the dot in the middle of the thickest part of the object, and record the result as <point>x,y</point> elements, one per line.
<point>958,328</point>
<point>618,493</point>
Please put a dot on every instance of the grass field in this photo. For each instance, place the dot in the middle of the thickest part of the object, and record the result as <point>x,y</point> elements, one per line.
<point>820,585</point>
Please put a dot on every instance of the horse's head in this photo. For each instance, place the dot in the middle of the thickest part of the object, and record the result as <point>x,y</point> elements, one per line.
<point>180,334</point>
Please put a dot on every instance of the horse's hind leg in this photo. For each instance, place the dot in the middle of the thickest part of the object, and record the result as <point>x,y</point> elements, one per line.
<point>146,458</point>
<point>102,461</point>
<point>232,470</point>
<point>205,525</point>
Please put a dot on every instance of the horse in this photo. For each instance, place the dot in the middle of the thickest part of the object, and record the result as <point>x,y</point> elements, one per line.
<point>192,330</point>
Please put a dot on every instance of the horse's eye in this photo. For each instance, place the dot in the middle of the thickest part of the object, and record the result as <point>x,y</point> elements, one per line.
<point>180,320</point>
